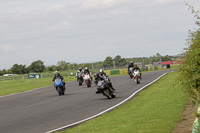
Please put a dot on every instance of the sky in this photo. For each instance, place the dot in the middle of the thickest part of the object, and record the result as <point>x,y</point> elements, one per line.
<point>80,31</point>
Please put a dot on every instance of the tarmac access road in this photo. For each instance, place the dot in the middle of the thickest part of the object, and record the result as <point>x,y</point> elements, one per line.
<point>43,110</point>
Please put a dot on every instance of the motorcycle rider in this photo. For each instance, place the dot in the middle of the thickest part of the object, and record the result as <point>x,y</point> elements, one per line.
<point>58,75</point>
<point>79,71</point>
<point>137,68</point>
<point>87,71</point>
<point>129,66</point>
<point>99,77</point>
<point>101,74</point>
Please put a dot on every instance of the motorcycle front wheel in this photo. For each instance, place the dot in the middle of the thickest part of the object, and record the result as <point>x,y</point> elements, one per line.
<point>59,91</point>
<point>106,93</point>
<point>138,80</point>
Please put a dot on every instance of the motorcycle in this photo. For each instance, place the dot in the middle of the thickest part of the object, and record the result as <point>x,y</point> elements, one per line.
<point>136,75</point>
<point>60,87</point>
<point>130,72</point>
<point>87,80</point>
<point>80,78</point>
<point>105,89</point>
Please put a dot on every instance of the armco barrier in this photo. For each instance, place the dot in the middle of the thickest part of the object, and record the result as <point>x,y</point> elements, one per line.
<point>107,72</point>
<point>155,67</point>
<point>142,69</point>
<point>111,72</point>
<point>114,72</point>
<point>117,71</point>
<point>123,71</point>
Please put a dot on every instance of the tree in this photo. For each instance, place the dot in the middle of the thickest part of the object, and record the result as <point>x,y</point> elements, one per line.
<point>19,69</point>
<point>166,58</point>
<point>108,62</point>
<point>123,62</point>
<point>37,66</point>
<point>52,68</point>
<point>119,61</point>
<point>62,65</point>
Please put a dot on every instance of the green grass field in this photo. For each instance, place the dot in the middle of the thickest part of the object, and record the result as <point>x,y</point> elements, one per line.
<point>154,110</point>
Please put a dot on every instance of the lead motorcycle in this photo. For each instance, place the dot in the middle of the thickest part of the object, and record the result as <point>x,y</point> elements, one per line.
<point>136,75</point>
<point>60,86</point>
<point>87,79</point>
<point>105,89</point>
<point>80,78</point>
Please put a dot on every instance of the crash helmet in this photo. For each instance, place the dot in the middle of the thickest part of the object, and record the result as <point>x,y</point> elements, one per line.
<point>57,74</point>
<point>101,71</point>
<point>131,62</point>
<point>96,75</point>
<point>135,66</point>
<point>80,69</point>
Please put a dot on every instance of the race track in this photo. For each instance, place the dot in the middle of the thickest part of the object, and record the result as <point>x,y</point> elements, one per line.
<point>42,110</point>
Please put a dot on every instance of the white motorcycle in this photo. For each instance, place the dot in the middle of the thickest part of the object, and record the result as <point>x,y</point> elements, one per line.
<point>87,80</point>
<point>136,76</point>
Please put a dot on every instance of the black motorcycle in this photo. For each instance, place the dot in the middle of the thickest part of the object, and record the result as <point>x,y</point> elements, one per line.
<point>60,86</point>
<point>105,89</point>
<point>130,72</point>
<point>80,79</point>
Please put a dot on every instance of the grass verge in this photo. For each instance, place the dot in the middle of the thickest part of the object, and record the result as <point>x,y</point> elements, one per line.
<point>16,86</point>
<point>154,110</point>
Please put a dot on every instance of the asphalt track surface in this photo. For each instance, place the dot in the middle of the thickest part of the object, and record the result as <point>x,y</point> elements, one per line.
<point>42,110</point>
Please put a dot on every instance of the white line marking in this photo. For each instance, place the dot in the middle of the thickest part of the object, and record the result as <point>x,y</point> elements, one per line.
<point>26,91</point>
<point>61,128</point>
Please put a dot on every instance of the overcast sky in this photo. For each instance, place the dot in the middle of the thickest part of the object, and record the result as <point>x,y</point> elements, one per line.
<point>90,30</point>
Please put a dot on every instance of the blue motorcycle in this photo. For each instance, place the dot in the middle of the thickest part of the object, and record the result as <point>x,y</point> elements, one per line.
<point>60,87</point>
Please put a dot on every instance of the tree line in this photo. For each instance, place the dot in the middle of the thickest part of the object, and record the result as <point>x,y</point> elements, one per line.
<point>109,62</point>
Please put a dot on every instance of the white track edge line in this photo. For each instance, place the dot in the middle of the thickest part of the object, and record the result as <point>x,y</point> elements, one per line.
<point>26,91</point>
<point>81,121</point>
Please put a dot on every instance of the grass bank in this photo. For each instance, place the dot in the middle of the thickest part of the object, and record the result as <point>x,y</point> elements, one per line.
<point>154,110</point>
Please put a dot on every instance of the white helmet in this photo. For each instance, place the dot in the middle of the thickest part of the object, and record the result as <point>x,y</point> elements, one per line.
<point>101,71</point>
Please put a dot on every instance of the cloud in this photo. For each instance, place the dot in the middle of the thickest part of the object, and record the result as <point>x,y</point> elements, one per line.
<point>91,4</point>
<point>90,30</point>
<point>8,48</point>
<point>165,1</point>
